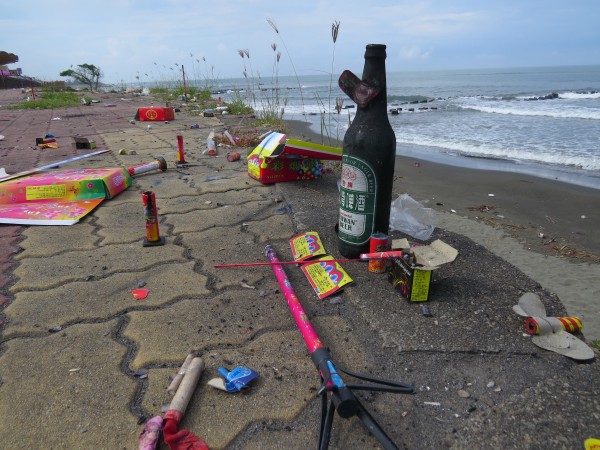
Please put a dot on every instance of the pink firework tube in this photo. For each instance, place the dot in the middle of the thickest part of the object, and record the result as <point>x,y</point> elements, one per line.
<point>180,155</point>
<point>158,164</point>
<point>308,332</point>
<point>381,255</point>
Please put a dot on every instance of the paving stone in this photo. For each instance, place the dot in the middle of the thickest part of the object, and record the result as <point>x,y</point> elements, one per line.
<point>68,383</point>
<point>287,383</point>
<point>232,216</point>
<point>38,311</point>
<point>43,242</point>
<point>46,273</point>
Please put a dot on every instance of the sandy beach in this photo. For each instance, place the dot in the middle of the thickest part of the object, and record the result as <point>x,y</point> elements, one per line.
<point>546,228</point>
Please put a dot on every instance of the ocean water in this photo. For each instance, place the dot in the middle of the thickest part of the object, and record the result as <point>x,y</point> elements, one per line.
<point>540,121</point>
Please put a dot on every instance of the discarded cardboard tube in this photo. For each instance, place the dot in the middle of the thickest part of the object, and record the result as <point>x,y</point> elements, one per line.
<point>180,154</point>
<point>188,385</point>
<point>182,371</point>
<point>158,164</point>
<point>153,237</point>
<point>174,437</point>
<point>363,257</point>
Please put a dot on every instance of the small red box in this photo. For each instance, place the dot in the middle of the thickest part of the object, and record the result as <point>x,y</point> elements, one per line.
<point>155,114</point>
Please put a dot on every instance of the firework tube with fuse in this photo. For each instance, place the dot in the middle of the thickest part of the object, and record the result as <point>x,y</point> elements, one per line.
<point>153,236</point>
<point>180,154</point>
<point>335,394</point>
<point>158,164</point>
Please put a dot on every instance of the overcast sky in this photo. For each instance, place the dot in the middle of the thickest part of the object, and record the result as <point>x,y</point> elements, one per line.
<point>147,38</point>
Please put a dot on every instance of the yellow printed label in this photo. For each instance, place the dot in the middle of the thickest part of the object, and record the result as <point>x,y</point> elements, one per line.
<point>43,192</point>
<point>420,285</point>
<point>306,245</point>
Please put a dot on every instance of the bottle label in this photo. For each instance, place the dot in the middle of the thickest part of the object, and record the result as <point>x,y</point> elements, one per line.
<point>358,194</point>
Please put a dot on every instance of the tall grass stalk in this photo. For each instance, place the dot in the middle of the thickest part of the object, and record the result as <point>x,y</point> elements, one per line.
<point>274,26</point>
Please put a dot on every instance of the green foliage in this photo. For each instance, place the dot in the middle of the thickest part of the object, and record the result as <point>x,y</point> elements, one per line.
<point>50,100</point>
<point>596,344</point>
<point>87,74</point>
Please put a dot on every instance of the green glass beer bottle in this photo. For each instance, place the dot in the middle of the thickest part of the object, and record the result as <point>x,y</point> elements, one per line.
<point>369,154</point>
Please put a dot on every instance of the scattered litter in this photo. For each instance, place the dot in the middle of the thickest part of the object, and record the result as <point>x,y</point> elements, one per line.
<point>140,294</point>
<point>463,394</point>
<point>132,122</point>
<point>208,202</point>
<point>337,300</point>
<point>141,284</point>
<point>411,217</point>
<point>141,373</point>
<point>247,286</point>
<point>232,157</point>
<point>230,137</point>
<point>432,403</point>
<point>172,389</point>
<point>552,333</point>
<point>491,195</point>
<point>150,436</point>
<point>234,381</point>
<point>1,137</point>
<point>76,369</point>
<point>194,127</point>
<point>244,227</point>
<point>56,118</point>
<point>122,151</point>
<point>211,148</point>
<point>55,329</point>
<point>583,217</point>
<point>149,127</point>
<point>425,311</point>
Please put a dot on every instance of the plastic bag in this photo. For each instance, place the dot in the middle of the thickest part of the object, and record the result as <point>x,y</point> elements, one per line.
<point>411,217</point>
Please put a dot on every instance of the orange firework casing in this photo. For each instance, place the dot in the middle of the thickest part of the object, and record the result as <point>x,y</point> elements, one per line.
<point>569,324</point>
<point>378,243</point>
<point>151,215</point>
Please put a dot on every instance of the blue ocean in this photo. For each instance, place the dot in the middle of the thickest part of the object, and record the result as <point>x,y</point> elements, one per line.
<point>540,121</point>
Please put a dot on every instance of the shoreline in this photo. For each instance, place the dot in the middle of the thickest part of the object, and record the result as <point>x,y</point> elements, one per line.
<point>544,227</point>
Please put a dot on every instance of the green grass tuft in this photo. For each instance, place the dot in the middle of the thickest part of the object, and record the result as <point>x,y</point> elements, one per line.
<point>50,100</point>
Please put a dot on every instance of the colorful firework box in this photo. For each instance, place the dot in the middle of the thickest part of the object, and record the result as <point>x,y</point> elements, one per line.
<point>306,245</point>
<point>325,277</point>
<point>155,114</point>
<point>411,274</point>
<point>278,159</point>
<point>59,198</point>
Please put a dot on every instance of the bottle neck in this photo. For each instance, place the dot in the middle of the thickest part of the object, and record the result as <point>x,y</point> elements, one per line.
<point>374,74</point>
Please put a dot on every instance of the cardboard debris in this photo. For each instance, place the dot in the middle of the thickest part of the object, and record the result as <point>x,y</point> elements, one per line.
<point>326,277</point>
<point>411,275</point>
<point>278,159</point>
<point>306,245</point>
<point>84,143</point>
<point>59,198</point>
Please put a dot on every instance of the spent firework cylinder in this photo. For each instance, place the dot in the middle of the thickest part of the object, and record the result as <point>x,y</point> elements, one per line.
<point>180,155</point>
<point>540,325</point>
<point>153,236</point>
<point>158,164</point>
<point>378,243</point>
<point>235,156</point>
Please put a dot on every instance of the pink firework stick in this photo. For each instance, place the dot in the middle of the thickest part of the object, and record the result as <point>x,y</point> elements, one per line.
<point>335,394</point>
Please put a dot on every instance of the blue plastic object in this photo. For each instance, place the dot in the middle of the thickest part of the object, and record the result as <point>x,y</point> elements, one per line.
<point>238,378</point>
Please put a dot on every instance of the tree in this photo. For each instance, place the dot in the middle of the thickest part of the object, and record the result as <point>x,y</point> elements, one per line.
<point>87,74</point>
